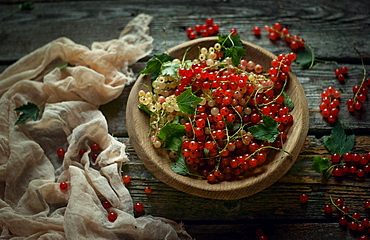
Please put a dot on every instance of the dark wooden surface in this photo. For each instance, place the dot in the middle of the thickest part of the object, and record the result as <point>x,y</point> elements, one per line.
<point>332,28</point>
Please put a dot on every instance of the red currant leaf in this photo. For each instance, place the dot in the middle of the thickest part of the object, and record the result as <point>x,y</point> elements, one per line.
<point>232,46</point>
<point>235,53</point>
<point>145,109</point>
<point>288,101</point>
<point>154,65</point>
<point>320,164</point>
<point>338,141</point>
<point>187,101</point>
<point>266,131</point>
<point>180,167</point>
<point>29,110</point>
<point>171,135</point>
<point>227,41</point>
<point>305,58</point>
<point>170,69</point>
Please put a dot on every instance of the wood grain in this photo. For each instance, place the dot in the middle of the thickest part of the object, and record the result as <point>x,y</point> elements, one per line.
<point>331,28</point>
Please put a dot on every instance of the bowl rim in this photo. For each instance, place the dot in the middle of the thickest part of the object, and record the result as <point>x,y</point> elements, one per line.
<point>226,190</point>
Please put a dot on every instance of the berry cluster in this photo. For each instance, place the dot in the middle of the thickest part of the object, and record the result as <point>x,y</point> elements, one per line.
<point>351,165</point>
<point>358,224</point>
<point>359,96</point>
<point>329,105</point>
<point>209,28</point>
<point>341,73</point>
<point>217,145</point>
<point>276,32</point>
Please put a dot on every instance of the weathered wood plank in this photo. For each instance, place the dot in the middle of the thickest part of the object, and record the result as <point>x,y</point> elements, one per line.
<point>274,230</point>
<point>332,29</point>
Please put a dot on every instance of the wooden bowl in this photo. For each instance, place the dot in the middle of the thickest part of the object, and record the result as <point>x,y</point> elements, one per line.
<point>157,161</point>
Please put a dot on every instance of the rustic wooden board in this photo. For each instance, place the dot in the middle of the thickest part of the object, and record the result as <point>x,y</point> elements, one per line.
<point>332,28</point>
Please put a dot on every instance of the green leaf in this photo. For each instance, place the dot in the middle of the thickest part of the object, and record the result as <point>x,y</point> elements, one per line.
<point>320,164</point>
<point>266,131</point>
<point>338,141</point>
<point>187,101</point>
<point>29,110</point>
<point>180,167</point>
<point>232,46</point>
<point>145,109</point>
<point>26,6</point>
<point>305,58</point>
<point>228,41</point>
<point>63,65</point>
<point>154,65</point>
<point>288,101</point>
<point>235,53</point>
<point>170,69</point>
<point>171,135</point>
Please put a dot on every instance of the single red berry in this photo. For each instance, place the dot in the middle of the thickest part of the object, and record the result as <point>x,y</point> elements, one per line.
<point>106,204</point>
<point>209,21</point>
<point>81,152</point>
<point>126,179</point>
<point>94,147</point>
<point>343,70</point>
<point>257,31</point>
<point>343,221</point>
<point>328,208</point>
<point>367,204</point>
<point>353,225</point>
<point>335,158</point>
<point>303,198</point>
<point>363,237</point>
<point>63,186</point>
<point>339,202</point>
<point>139,207</point>
<point>112,216</point>
<point>61,152</point>
<point>147,190</point>
<point>356,215</point>
<point>233,31</point>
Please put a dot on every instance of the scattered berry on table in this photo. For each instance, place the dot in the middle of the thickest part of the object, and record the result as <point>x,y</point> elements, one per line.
<point>303,198</point>
<point>126,179</point>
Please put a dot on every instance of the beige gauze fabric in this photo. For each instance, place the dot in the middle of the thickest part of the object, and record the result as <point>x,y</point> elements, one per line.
<point>32,205</point>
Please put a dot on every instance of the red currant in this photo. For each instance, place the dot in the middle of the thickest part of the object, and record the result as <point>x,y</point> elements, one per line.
<point>61,152</point>
<point>303,198</point>
<point>63,186</point>
<point>106,204</point>
<point>112,216</point>
<point>139,207</point>
<point>126,179</point>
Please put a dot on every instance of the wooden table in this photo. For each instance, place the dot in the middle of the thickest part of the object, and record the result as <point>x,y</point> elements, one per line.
<point>332,28</point>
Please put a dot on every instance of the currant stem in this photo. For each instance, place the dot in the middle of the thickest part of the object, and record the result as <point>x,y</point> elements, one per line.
<point>343,212</point>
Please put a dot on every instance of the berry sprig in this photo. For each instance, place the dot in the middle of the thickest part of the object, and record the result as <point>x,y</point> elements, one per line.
<point>350,164</point>
<point>360,91</point>
<point>329,105</point>
<point>209,28</point>
<point>355,222</point>
<point>341,73</point>
<point>276,32</point>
